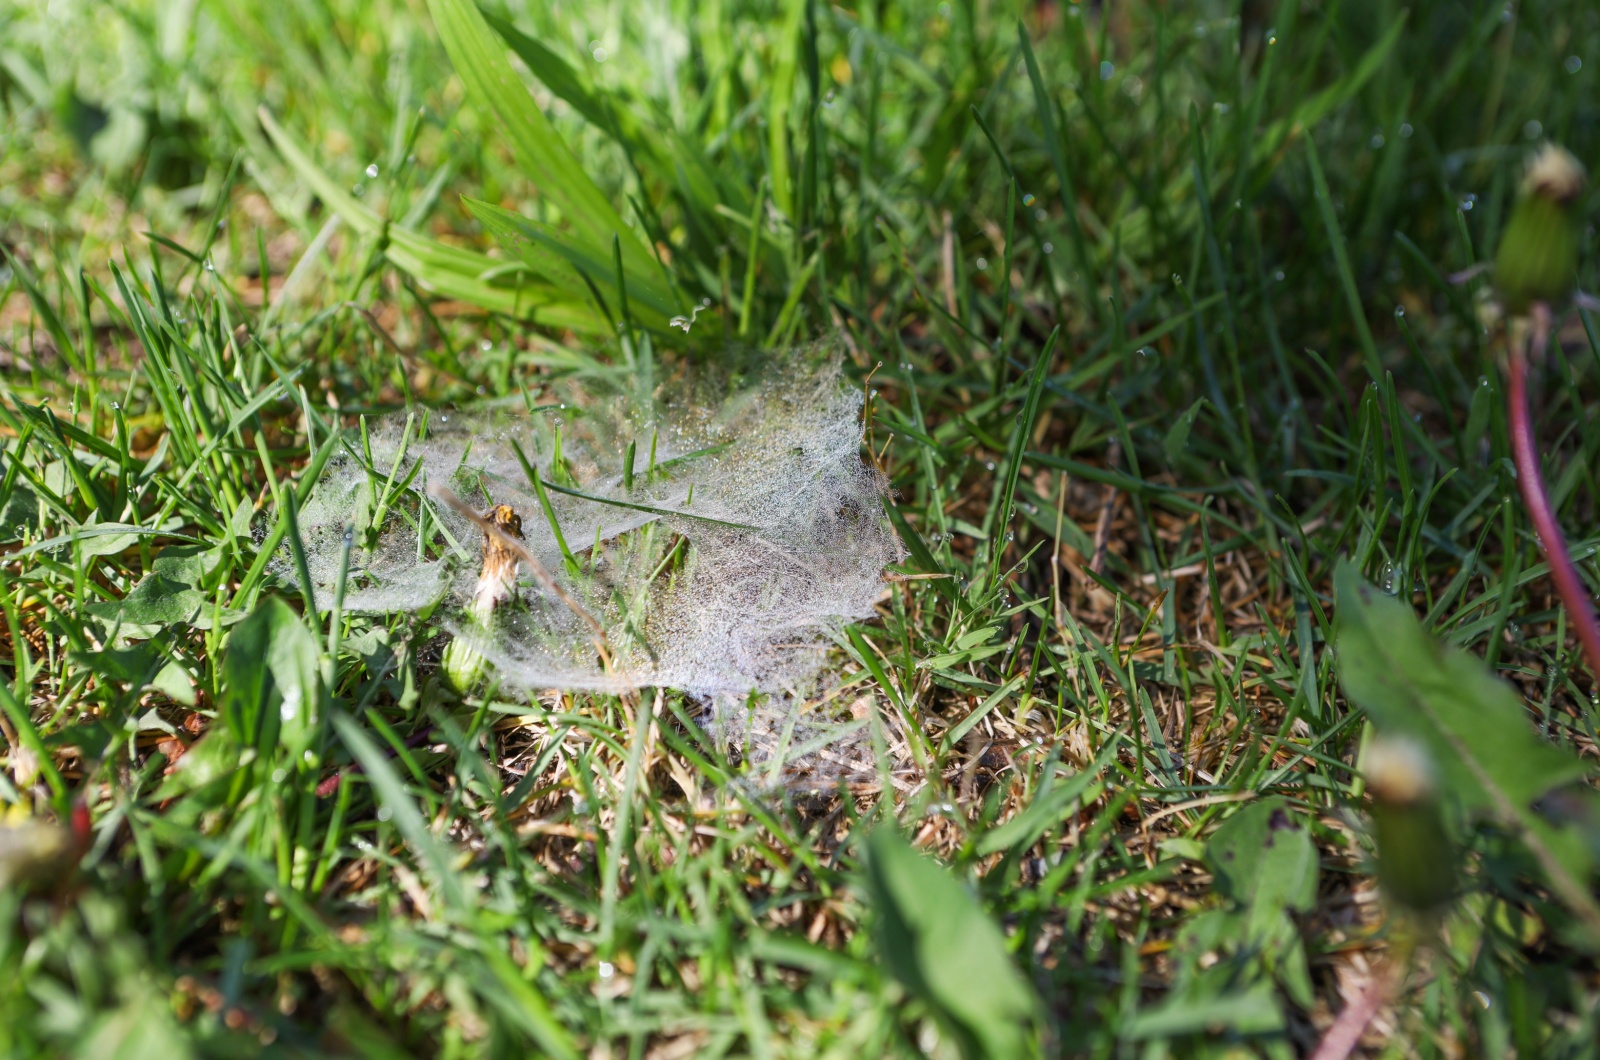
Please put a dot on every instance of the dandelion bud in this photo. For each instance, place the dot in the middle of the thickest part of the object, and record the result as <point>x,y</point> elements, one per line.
<point>463,664</point>
<point>1538,256</point>
<point>1416,858</point>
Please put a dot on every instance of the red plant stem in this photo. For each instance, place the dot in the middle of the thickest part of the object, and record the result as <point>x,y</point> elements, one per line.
<point>1344,1036</point>
<point>1530,481</point>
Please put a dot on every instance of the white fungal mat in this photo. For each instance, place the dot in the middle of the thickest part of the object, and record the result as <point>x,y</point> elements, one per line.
<point>722,569</point>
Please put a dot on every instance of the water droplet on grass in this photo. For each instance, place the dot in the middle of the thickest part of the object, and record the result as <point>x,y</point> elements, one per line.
<point>1399,312</point>
<point>607,969</point>
<point>485,345</point>
<point>1572,65</point>
<point>982,263</point>
<point>1107,69</point>
<point>1027,200</point>
<point>1468,201</point>
<point>372,171</point>
<point>1405,130</point>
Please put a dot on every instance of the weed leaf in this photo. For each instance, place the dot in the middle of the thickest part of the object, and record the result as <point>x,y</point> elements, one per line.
<point>1474,726</point>
<point>938,941</point>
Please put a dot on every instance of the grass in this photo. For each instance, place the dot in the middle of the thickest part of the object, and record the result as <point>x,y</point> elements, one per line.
<point>1152,303</point>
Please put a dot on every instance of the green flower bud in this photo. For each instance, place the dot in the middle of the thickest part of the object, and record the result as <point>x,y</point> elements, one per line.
<point>1538,256</point>
<point>462,664</point>
<point>1416,858</point>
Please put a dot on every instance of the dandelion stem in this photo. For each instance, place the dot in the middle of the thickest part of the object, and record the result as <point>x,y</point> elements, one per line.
<point>1530,481</point>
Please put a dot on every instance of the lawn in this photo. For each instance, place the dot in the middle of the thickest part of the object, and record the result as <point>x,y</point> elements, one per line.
<point>1012,538</point>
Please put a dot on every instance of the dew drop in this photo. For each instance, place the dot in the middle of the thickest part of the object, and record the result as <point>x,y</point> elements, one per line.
<point>982,263</point>
<point>1468,201</point>
<point>372,171</point>
<point>1399,312</point>
<point>1278,276</point>
<point>485,345</point>
<point>1533,129</point>
<point>1049,248</point>
<point>1405,130</point>
<point>358,190</point>
<point>1572,65</point>
<point>988,465</point>
<point>1177,281</point>
<point>599,55</point>
<point>607,969</point>
<point>385,813</point>
<point>1107,69</point>
<point>1376,141</point>
<point>1027,200</point>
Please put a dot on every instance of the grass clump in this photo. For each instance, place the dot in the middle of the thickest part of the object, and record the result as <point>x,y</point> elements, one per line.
<point>1151,316</point>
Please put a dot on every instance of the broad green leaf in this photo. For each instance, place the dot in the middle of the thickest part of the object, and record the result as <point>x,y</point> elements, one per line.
<point>270,679</point>
<point>155,603</point>
<point>19,513</point>
<point>940,943</point>
<point>480,60</point>
<point>186,564</point>
<point>137,664</point>
<point>450,272</point>
<point>555,73</point>
<point>107,539</point>
<point>1264,859</point>
<point>1474,726</point>
<point>564,263</point>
